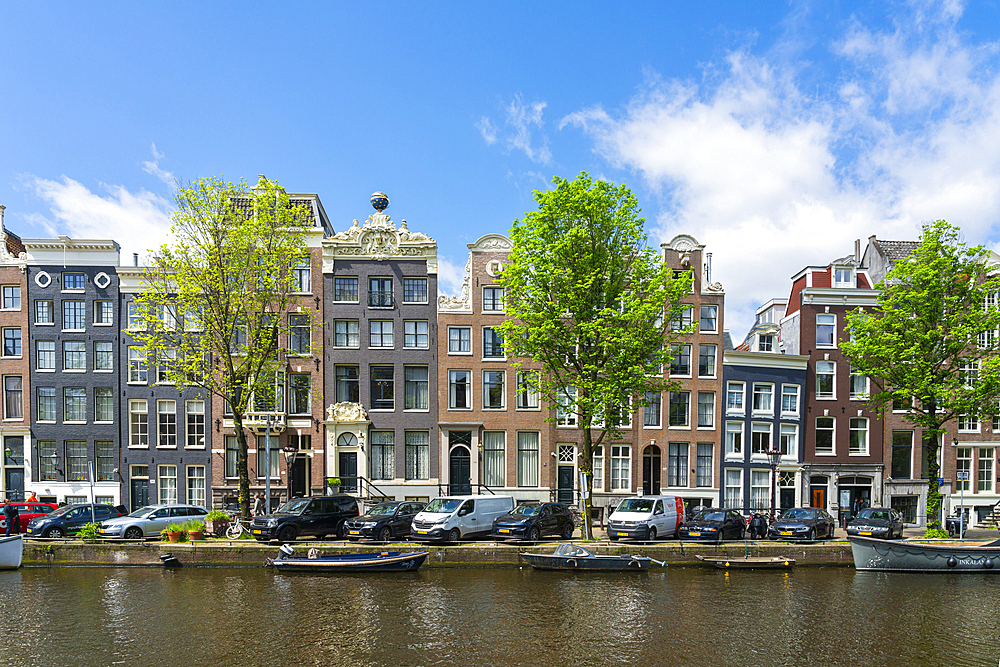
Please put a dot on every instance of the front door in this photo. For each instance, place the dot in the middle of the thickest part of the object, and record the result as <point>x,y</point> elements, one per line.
<point>460,480</point>
<point>819,497</point>
<point>140,493</point>
<point>565,493</point>
<point>297,478</point>
<point>651,471</point>
<point>14,478</point>
<point>348,472</point>
<point>787,498</point>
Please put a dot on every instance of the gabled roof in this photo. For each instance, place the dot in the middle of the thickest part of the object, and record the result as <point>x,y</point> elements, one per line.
<point>895,250</point>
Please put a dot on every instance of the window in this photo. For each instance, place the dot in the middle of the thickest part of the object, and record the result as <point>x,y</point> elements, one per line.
<point>789,399</point>
<point>789,436</point>
<point>826,326</point>
<point>346,333</point>
<point>74,404</point>
<point>651,409</point>
<point>566,408</point>
<point>299,385</point>
<point>345,290</point>
<point>196,486</point>
<point>677,464</point>
<point>760,438</point>
<point>762,397</point>
<point>195,431</point>
<point>135,317</point>
<point>193,319</point>
<point>167,483</point>
<point>706,409</point>
<point>706,361</point>
<point>12,342</point>
<point>264,457</point>
<point>969,372</point>
<point>859,384</point>
<point>72,281</point>
<point>527,459</point>
<point>103,356</point>
<point>232,447</point>
<point>74,355</point>
<point>527,390</point>
<point>46,463</point>
<point>104,313</point>
<point>984,470</point>
<point>492,343</point>
<point>137,365</point>
<point>382,388</point>
<point>734,397</point>
<point>902,457</point>
<point>493,392</point>
<point>383,445</point>
<point>380,292</point>
<point>12,297</point>
<point>459,390</point>
<point>824,435</point>
<point>597,461</point>
<point>380,333</point>
<point>13,397</point>
<point>348,385</point>
<point>44,312</point>
<point>709,319</point>
<point>459,339</point>
<point>825,373</point>
<point>415,388</point>
<point>681,320</point>
<point>681,363</point>
<point>734,488</point>
<point>494,460</point>
<point>704,464</point>
<point>734,438</point>
<point>765,343</point>
<point>493,299</point>
<point>104,404</point>
<point>302,275</point>
<point>417,455</point>
<point>414,290</point>
<point>45,355</point>
<point>166,363</point>
<point>46,404</point>
<point>968,423</point>
<point>680,407</point>
<point>105,454</point>
<point>415,333</point>
<point>167,317</point>
<point>858,444</point>
<point>73,314</point>
<point>166,423</point>
<point>138,423</point>
<point>621,473</point>
<point>843,278</point>
<point>299,334</point>
<point>76,461</point>
<point>760,489</point>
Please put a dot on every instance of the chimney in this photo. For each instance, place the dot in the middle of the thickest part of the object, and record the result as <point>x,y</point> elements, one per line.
<point>857,249</point>
<point>708,268</point>
<point>135,259</point>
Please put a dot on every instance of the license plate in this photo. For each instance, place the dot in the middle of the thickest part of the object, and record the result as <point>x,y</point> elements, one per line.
<point>694,534</point>
<point>622,534</point>
<point>786,532</point>
<point>256,532</point>
<point>29,530</point>
<point>503,530</point>
<point>865,532</point>
<point>422,532</point>
<point>355,532</point>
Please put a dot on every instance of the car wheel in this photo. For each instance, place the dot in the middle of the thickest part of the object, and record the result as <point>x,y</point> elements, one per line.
<point>384,535</point>
<point>613,538</point>
<point>568,530</point>
<point>133,533</point>
<point>534,534</point>
<point>652,534</point>
<point>286,534</point>
<point>454,535</point>
<point>812,535</point>
<point>341,531</point>
<point>55,532</point>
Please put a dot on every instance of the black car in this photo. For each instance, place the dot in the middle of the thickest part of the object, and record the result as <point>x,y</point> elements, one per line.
<point>533,521</point>
<point>69,519</point>
<point>877,522</point>
<point>803,523</point>
<point>714,524</point>
<point>384,521</point>
<point>316,517</point>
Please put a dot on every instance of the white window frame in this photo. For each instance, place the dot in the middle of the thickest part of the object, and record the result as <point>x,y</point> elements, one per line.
<point>833,436</point>
<point>832,396</point>
<point>794,393</point>
<point>460,352</point>
<point>769,409</point>
<point>734,441</point>
<point>831,323</point>
<point>852,430</point>
<point>788,441</point>
<point>738,390</point>
<point>732,500</point>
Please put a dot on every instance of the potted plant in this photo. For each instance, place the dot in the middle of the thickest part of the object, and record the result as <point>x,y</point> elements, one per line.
<point>334,484</point>
<point>216,522</point>
<point>196,530</point>
<point>176,532</point>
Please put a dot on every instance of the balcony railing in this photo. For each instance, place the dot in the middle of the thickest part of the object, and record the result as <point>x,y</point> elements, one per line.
<point>380,298</point>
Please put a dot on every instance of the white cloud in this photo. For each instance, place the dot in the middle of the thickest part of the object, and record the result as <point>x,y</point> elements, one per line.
<point>488,130</point>
<point>450,277</point>
<point>152,167</point>
<point>772,179</point>
<point>520,124</point>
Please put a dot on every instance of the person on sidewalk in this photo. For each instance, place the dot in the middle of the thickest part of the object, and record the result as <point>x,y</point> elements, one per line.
<point>32,498</point>
<point>10,516</point>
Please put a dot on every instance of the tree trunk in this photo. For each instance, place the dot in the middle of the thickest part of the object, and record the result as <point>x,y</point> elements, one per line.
<point>931,446</point>
<point>587,466</point>
<point>242,467</point>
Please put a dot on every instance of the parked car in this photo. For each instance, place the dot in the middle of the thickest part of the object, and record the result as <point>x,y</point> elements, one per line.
<point>452,518</point>
<point>646,517</point>
<point>149,521</point>
<point>714,524</point>
<point>533,521</point>
<point>384,521</point>
<point>316,517</point>
<point>953,524</point>
<point>26,511</point>
<point>68,520</point>
<point>877,522</point>
<point>802,523</point>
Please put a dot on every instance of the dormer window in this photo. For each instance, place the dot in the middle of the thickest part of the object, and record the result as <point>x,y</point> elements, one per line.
<point>765,343</point>
<point>843,278</point>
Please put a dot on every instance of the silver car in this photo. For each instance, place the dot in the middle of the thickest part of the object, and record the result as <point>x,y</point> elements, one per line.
<point>149,521</point>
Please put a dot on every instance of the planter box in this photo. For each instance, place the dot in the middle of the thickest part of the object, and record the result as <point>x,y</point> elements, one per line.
<point>216,526</point>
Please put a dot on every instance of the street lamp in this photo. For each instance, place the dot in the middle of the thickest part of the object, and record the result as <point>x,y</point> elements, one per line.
<point>773,455</point>
<point>959,474</point>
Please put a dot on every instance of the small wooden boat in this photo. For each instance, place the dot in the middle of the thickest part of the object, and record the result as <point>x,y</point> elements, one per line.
<point>882,555</point>
<point>380,561</point>
<point>748,562</point>
<point>11,551</point>
<point>575,557</point>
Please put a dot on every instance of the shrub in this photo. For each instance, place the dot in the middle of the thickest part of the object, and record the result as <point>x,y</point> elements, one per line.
<point>88,532</point>
<point>195,526</point>
<point>936,533</point>
<point>217,515</point>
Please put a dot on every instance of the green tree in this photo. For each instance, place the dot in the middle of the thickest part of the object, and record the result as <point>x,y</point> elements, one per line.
<point>932,340</point>
<point>214,307</point>
<point>587,299</point>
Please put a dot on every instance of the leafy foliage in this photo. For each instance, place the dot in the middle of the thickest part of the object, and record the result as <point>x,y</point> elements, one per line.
<point>88,532</point>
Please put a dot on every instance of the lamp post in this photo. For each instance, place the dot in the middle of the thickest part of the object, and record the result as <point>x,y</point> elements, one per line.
<point>773,455</point>
<point>267,465</point>
<point>959,475</point>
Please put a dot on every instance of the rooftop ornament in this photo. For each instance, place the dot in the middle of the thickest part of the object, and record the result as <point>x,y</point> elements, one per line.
<point>380,201</point>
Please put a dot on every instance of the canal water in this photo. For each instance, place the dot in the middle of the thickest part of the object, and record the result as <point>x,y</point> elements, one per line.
<point>476,618</point>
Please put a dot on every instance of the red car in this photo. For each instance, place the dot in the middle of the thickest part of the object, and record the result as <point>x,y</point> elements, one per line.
<point>26,512</point>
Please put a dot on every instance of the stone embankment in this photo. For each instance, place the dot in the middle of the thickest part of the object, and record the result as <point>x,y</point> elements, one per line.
<point>246,553</point>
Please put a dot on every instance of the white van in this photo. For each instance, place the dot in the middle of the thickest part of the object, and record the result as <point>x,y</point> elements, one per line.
<point>453,518</point>
<point>647,517</point>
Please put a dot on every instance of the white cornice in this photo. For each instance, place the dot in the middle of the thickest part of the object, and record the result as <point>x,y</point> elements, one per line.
<point>793,362</point>
<point>839,296</point>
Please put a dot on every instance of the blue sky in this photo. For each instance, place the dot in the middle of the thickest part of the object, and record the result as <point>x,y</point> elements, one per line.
<point>775,133</point>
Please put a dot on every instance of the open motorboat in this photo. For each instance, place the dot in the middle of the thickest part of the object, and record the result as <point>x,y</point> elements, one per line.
<point>378,561</point>
<point>574,557</point>
<point>11,552</point>
<point>749,562</point>
<point>885,556</point>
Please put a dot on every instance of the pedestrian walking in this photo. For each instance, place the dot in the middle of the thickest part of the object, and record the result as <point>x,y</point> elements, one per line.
<point>258,505</point>
<point>10,516</point>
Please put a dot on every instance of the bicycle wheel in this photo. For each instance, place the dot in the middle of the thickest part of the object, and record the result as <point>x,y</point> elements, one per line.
<point>234,530</point>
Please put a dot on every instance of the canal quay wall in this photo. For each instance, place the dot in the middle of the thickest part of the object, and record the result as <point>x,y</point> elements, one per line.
<point>245,553</point>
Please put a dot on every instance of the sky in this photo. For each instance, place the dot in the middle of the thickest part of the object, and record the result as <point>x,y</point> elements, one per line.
<point>774,133</point>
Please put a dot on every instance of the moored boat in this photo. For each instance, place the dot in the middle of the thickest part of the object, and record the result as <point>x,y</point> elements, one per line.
<point>748,562</point>
<point>11,551</point>
<point>882,555</point>
<point>575,557</point>
<point>379,561</point>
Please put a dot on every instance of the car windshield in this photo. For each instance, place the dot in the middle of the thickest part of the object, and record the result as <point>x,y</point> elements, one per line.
<point>293,506</point>
<point>443,505</point>
<point>142,512</point>
<point>874,514</point>
<point>636,505</point>
<point>709,516</point>
<point>526,510</point>
<point>385,509</point>
<point>798,515</point>
<point>63,510</point>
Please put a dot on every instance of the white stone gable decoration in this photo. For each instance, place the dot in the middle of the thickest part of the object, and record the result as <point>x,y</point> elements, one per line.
<point>379,239</point>
<point>346,412</point>
<point>684,243</point>
<point>492,242</point>
<point>462,302</point>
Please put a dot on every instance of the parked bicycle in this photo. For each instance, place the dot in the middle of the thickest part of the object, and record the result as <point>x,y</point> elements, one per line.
<point>237,526</point>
